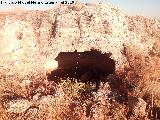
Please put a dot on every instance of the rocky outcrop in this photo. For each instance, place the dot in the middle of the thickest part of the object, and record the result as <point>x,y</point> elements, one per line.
<point>147,30</point>
<point>30,38</point>
<point>18,106</point>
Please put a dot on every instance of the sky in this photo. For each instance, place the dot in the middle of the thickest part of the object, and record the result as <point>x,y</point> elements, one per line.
<point>148,8</point>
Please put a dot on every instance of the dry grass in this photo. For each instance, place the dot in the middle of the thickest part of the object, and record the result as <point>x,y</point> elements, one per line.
<point>144,74</point>
<point>74,101</point>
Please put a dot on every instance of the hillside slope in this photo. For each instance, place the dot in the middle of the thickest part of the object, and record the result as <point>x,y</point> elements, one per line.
<point>31,38</point>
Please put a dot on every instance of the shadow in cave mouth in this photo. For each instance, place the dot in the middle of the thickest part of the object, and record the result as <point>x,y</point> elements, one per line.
<point>88,66</point>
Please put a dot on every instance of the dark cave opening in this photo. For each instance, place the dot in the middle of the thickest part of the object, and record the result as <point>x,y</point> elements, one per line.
<point>88,66</point>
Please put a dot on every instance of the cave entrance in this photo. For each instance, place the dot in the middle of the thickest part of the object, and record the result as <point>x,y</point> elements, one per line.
<point>88,66</point>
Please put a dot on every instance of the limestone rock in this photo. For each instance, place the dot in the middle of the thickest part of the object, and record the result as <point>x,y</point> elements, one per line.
<point>32,114</point>
<point>30,38</point>
<point>18,106</point>
<point>34,37</point>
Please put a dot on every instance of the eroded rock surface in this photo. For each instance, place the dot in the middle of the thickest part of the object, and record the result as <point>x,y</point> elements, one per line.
<point>18,106</point>
<point>32,37</point>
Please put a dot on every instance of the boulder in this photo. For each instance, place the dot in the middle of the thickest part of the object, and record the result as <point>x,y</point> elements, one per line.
<point>18,106</point>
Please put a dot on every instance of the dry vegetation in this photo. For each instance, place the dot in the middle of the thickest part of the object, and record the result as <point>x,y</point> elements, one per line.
<point>26,94</point>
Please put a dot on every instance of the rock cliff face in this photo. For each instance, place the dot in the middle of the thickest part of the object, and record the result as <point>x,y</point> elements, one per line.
<point>30,38</point>
<point>146,29</point>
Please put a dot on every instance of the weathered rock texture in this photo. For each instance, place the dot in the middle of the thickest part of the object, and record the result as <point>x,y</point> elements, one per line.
<point>30,38</point>
<point>18,106</point>
<point>147,30</point>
